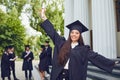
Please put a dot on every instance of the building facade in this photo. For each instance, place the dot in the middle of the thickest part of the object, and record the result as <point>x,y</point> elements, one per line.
<point>101,17</point>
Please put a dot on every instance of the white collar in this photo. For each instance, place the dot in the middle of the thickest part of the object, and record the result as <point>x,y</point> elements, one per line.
<point>74,44</point>
<point>27,52</point>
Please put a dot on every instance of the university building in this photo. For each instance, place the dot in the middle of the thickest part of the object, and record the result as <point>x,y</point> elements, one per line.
<point>102,18</point>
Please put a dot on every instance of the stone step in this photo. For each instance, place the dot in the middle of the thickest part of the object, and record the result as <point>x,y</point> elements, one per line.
<point>99,74</point>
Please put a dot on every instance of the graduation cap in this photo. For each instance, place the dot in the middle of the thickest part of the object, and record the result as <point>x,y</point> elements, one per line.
<point>42,46</point>
<point>10,46</point>
<point>47,41</point>
<point>77,25</point>
<point>27,46</point>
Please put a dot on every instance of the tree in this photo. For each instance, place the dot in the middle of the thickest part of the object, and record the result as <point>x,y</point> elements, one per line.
<point>55,11</point>
<point>11,30</point>
<point>18,4</point>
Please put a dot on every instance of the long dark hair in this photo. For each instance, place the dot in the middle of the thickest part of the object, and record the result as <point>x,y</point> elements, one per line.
<point>64,51</point>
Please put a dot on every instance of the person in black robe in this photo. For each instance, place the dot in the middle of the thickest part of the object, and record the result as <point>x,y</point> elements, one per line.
<point>43,62</point>
<point>71,56</point>
<point>27,57</point>
<point>49,55</point>
<point>12,59</point>
<point>5,65</point>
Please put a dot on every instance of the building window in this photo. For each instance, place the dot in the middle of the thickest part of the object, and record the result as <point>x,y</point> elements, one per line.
<point>117,3</point>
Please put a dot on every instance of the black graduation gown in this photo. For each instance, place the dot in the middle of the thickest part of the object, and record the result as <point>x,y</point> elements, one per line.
<point>12,56</point>
<point>79,57</point>
<point>27,64</point>
<point>49,55</point>
<point>5,65</point>
<point>43,61</point>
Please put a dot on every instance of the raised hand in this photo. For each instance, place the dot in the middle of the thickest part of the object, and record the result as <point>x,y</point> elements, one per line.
<point>117,62</point>
<point>42,14</point>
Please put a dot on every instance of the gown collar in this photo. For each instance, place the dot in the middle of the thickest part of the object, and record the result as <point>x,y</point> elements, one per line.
<point>73,45</point>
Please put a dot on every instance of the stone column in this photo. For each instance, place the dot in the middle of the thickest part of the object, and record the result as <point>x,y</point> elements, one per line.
<point>103,24</point>
<point>81,12</point>
<point>69,10</point>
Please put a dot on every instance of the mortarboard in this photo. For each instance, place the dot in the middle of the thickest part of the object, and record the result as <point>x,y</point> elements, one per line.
<point>27,46</point>
<point>77,25</point>
<point>42,46</point>
<point>10,46</point>
<point>47,41</point>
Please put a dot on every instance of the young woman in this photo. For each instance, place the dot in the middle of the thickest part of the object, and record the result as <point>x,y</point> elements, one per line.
<point>12,59</point>
<point>71,56</point>
<point>43,62</point>
<point>5,64</point>
<point>48,49</point>
<point>27,57</point>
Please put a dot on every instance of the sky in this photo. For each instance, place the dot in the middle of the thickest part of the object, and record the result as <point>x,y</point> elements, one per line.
<point>25,21</point>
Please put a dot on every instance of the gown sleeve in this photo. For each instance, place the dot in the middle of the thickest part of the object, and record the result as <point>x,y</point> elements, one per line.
<point>48,28</point>
<point>100,61</point>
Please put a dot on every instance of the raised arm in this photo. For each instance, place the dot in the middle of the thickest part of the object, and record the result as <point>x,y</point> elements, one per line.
<point>101,61</point>
<point>49,29</point>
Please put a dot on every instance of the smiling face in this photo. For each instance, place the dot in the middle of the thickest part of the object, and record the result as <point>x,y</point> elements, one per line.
<point>27,48</point>
<point>12,49</point>
<point>75,35</point>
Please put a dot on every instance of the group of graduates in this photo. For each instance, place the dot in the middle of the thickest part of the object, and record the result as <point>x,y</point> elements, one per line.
<point>45,60</point>
<point>8,63</point>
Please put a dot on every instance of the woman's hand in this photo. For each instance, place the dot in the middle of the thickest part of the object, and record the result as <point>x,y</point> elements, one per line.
<point>42,14</point>
<point>117,62</point>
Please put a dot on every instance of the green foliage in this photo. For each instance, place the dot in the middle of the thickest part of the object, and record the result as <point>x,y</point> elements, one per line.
<point>54,12</point>
<point>3,17</point>
<point>11,31</point>
<point>18,4</point>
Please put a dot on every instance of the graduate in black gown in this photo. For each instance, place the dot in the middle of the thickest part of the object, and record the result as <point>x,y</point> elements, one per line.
<point>5,65</point>
<point>27,66</point>
<point>48,49</point>
<point>71,56</point>
<point>43,62</point>
<point>12,59</point>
